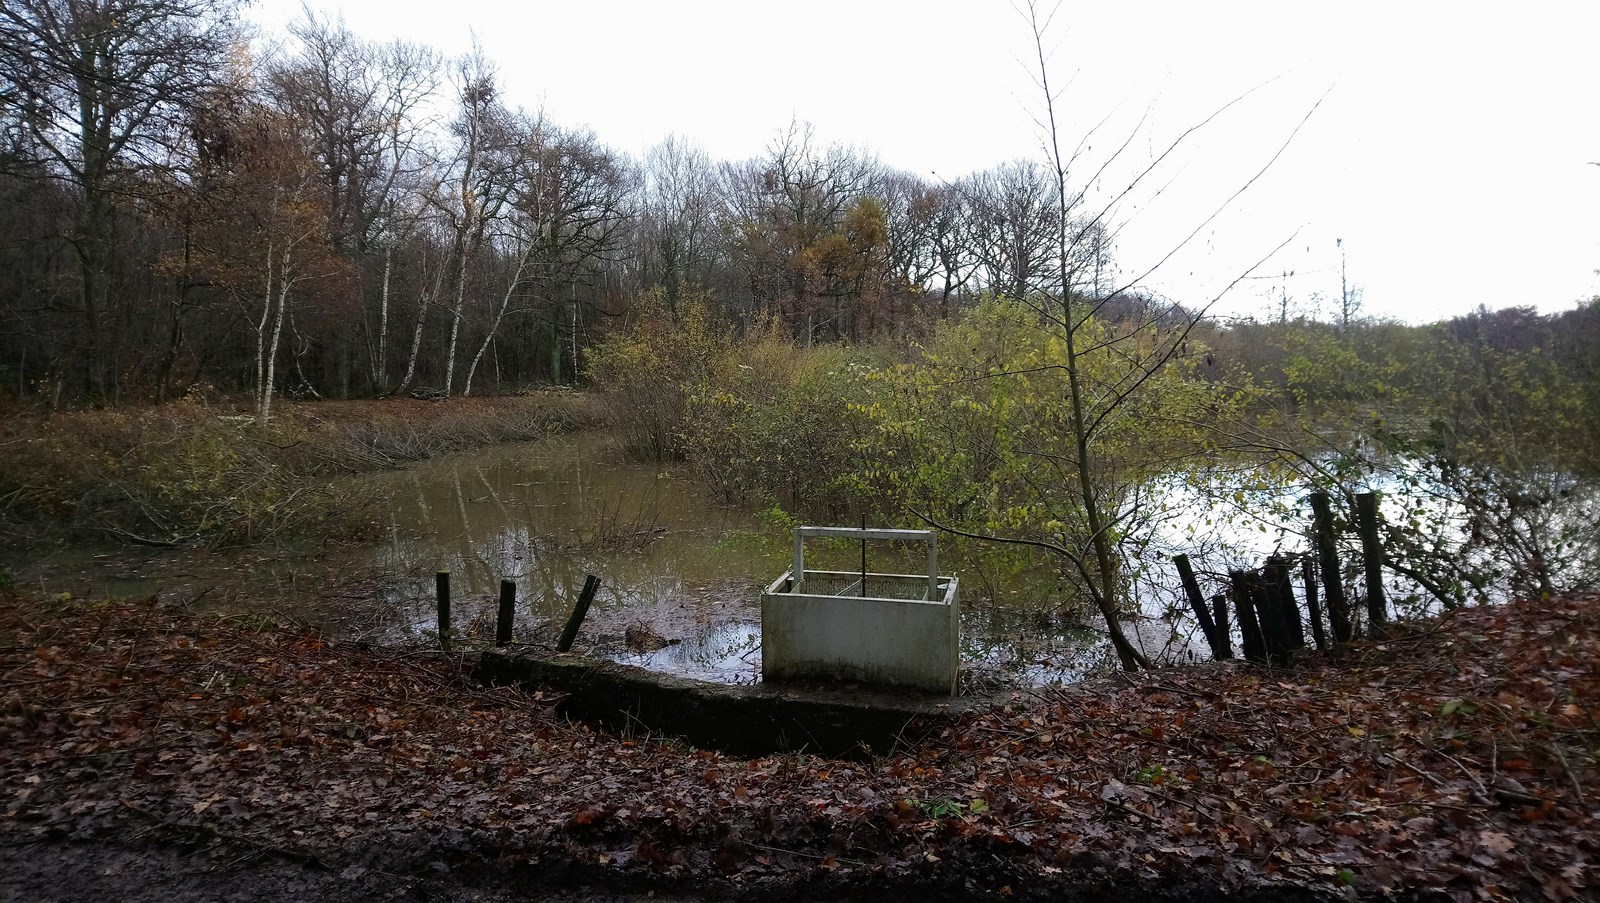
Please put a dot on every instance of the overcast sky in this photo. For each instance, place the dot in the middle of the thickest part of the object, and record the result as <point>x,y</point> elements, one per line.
<point>1449,147</point>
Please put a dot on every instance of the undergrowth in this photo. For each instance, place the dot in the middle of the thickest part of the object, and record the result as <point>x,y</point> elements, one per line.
<point>193,472</point>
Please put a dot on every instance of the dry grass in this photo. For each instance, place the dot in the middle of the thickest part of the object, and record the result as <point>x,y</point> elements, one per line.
<point>195,471</point>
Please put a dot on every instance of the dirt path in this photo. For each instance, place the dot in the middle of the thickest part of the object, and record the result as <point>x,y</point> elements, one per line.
<point>75,872</point>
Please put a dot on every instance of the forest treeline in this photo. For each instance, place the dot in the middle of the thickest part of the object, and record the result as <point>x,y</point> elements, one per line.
<point>327,215</point>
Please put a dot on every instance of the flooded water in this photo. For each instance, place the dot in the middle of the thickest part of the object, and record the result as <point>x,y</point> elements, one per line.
<point>672,566</point>
<point>680,575</point>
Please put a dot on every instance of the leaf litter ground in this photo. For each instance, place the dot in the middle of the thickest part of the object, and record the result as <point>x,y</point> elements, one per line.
<point>1455,760</point>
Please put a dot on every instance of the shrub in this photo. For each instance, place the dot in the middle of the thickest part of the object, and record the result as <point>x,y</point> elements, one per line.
<point>649,368</point>
<point>756,419</point>
<point>781,427</point>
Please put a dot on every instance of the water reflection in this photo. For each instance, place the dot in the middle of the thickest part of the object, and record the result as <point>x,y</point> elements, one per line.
<point>671,564</point>
<point>728,652</point>
<point>546,514</point>
<point>675,566</point>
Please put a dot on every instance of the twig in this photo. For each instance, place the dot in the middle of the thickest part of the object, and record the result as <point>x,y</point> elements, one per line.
<point>806,855</point>
<point>1126,810</point>
<point>1577,788</point>
<point>1172,799</point>
<point>1428,775</point>
<point>1482,790</point>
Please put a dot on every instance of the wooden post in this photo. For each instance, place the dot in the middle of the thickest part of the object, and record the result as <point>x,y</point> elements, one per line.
<point>1372,558</point>
<point>591,585</point>
<point>1328,558</point>
<point>441,589</point>
<point>1191,588</point>
<point>1219,616</point>
<point>1255,648</point>
<point>1293,625</point>
<point>508,611</point>
<point>1270,615</point>
<point>1308,576</point>
<point>1265,596</point>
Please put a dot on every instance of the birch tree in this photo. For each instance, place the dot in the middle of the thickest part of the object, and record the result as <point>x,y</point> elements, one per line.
<point>264,239</point>
<point>476,192</point>
<point>677,228</point>
<point>361,106</point>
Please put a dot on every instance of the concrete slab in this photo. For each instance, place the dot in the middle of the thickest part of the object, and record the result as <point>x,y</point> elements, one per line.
<point>835,721</point>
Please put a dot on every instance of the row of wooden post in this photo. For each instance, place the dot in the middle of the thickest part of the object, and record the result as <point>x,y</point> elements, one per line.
<point>506,615</point>
<point>1269,618</point>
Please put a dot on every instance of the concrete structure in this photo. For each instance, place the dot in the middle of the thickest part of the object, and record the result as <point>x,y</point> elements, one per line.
<point>891,629</point>
<point>742,720</point>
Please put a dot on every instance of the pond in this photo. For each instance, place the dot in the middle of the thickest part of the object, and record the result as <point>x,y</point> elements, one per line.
<point>680,575</point>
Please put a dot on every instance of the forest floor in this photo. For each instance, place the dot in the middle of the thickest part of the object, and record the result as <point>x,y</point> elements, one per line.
<point>152,754</point>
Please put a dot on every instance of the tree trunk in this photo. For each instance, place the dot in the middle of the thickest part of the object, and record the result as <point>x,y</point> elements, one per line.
<point>494,326</point>
<point>455,323</point>
<point>555,345</point>
<point>169,356</point>
<point>416,334</point>
<point>94,224</point>
<point>261,332</point>
<point>575,338</point>
<point>93,253</point>
<point>380,376</point>
<point>277,333</point>
<point>1105,558</point>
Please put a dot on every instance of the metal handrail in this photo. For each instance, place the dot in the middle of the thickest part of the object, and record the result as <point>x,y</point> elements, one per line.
<point>863,533</point>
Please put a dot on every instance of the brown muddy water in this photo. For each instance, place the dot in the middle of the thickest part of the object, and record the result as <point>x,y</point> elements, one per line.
<point>680,575</point>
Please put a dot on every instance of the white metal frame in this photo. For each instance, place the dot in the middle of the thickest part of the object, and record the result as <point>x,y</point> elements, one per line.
<point>927,536</point>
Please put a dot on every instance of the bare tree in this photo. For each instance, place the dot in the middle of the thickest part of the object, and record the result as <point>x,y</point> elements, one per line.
<point>410,75</point>
<point>518,234</point>
<point>361,105</point>
<point>677,217</point>
<point>104,89</point>
<point>911,209</point>
<point>783,211</point>
<point>951,227</point>
<point>1349,295</point>
<point>581,196</point>
<point>1013,227</point>
<point>477,189</point>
